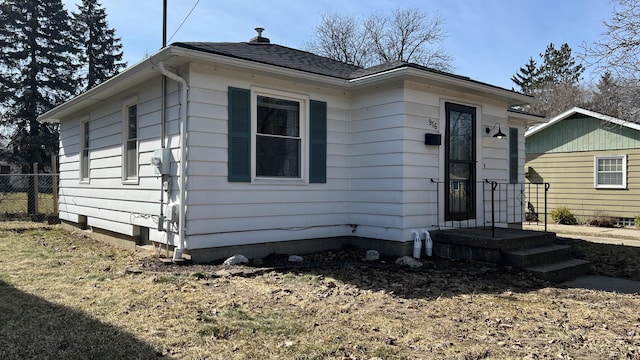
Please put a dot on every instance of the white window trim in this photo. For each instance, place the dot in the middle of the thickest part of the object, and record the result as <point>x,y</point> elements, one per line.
<point>624,172</point>
<point>83,180</point>
<point>303,100</point>
<point>125,134</point>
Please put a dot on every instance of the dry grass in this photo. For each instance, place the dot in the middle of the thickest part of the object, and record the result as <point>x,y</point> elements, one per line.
<point>65,296</point>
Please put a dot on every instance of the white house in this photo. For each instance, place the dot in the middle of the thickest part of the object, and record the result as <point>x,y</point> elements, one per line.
<point>258,148</point>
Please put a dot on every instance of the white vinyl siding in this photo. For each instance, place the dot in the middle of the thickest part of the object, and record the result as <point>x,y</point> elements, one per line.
<point>378,169</point>
<point>105,201</point>
<point>610,172</point>
<point>267,209</point>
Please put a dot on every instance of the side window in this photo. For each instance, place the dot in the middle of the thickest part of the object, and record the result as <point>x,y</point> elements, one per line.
<point>84,155</point>
<point>130,142</point>
<point>610,172</point>
<point>278,138</point>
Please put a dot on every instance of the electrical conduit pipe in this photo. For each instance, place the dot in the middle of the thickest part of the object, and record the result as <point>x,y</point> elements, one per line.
<point>184,92</point>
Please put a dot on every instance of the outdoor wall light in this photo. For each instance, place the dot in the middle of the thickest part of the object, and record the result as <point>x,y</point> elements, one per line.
<point>499,134</point>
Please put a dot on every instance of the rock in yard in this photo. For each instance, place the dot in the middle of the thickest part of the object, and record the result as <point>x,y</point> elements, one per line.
<point>295,258</point>
<point>372,255</point>
<point>132,270</point>
<point>409,261</point>
<point>236,259</point>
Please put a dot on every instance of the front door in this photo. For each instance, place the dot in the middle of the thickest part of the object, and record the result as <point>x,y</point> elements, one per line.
<point>460,162</point>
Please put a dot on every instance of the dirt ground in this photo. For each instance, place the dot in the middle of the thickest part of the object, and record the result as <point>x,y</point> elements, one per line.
<point>83,299</point>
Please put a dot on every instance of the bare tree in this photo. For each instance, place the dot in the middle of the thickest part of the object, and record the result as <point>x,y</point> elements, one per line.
<point>341,38</point>
<point>617,56</point>
<point>619,49</point>
<point>616,97</point>
<point>409,35</point>
<point>406,35</point>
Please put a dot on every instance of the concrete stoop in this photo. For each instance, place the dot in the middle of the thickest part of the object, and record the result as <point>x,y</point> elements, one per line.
<point>561,271</point>
<point>532,251</point>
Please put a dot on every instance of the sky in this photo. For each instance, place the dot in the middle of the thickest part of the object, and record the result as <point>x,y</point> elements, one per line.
<point>489,40</point>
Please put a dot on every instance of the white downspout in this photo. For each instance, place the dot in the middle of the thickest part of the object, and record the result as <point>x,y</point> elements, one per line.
<point>184,92</point>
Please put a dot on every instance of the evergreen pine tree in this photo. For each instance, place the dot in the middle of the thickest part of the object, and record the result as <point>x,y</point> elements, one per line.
<point>555,83</point>
<point>101,50</point>
<point>559,66</point>
<point>36,75</point>
<point>527,77</point>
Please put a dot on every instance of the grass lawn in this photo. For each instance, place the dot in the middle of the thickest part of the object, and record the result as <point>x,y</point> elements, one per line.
<point>15,203</point>
<point>64,296</point>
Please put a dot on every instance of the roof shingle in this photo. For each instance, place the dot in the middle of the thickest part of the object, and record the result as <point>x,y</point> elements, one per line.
<point>277,55</point>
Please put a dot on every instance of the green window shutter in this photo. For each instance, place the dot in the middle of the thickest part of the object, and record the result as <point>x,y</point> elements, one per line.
<point>318,142</point>
<point>513,156</point>
<point>239,151</point>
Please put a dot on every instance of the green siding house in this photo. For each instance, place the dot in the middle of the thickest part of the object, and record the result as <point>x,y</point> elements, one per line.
<point>591,161</point>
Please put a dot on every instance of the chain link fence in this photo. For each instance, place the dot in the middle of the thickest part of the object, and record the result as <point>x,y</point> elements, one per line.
<point>28,197</point>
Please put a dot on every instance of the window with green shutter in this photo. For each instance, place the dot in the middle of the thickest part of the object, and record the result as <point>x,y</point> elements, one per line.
<point>239,166</point>
<point>318,140</point>
<point>288,139</point>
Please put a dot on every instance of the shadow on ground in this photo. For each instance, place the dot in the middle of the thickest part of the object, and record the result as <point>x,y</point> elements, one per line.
<point>617,261</point>
<point>437,277</point>
<point>33,328</point>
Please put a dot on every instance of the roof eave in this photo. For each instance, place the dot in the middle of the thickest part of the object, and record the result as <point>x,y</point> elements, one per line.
<point>578,110</point>
<point>146,69</point>
<point>464,85</point>
<point>135,74</point>
<point>529,119</point>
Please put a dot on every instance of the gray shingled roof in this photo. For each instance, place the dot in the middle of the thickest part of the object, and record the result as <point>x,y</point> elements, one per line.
<point>282,56</point>
<point>277,55</point>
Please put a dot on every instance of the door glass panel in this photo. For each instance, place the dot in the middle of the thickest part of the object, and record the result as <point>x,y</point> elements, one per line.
<point>459,188</point>
<point>460,164</point>
<point>461,136</point>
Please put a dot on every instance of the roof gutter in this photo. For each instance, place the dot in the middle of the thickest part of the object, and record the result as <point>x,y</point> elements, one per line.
<point>184,96</point>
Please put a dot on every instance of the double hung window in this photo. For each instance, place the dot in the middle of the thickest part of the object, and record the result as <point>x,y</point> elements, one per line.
<point>610,172</point>
<point>278,138</point>
<point>130,142</point>
<point>84,156</point>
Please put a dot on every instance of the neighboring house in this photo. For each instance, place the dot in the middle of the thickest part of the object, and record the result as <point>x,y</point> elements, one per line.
<point>259,148</point>
<point>592,163</point>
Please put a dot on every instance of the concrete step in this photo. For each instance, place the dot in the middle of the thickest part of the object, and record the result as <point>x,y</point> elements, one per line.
<point>504,239</point>
<point>519,259</point>
<point>531,240</point>
<point>560,271</point>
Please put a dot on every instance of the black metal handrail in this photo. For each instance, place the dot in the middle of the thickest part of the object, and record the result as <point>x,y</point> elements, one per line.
<point>506,201</point>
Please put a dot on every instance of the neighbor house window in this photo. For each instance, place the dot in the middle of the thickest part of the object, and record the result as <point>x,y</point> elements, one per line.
<point>610,172</point>
<point>84,157</point>
<point>278,138</point>
<point>130,138</point>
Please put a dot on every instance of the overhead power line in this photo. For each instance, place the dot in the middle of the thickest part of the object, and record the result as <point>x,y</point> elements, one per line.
<point>184,20</point>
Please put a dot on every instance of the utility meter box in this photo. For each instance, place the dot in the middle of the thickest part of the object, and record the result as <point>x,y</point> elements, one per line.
<point>161,161</point>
